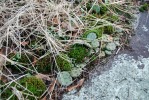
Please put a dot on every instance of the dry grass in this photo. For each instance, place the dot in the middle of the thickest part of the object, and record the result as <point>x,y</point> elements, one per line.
<point>44,20</point>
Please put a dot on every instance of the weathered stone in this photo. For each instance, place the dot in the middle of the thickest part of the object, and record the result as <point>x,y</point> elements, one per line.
<point>122,82</point>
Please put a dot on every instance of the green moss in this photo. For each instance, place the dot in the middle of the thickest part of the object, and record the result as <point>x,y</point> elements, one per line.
<point>36,42</point>
<point>26,59</point>
<point>39,52</point>
<point>96,9</point>
<point>88,6</point>
<point>117,9</point>
<point>98,32</point>
<point>141,9</point>
<point>44,65</point>
<point>33,84</point>
<point>63,62</point>
<point>64,38</point>
<point>77,1</point>
<point>113,18</point>
<point>7,93</point>
<point>23,58</point>
<point>78,53</point>
<point>33,43</point>
<point>109,29</point>
<point>11,55</point>
<point>144,7</point>
<point>103,9</point>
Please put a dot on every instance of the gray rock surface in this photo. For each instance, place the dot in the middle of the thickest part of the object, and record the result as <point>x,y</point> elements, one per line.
<point>126,77</point>
<point>124,81</point>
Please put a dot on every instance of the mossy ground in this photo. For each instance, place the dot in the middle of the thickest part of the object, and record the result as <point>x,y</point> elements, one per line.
<point>109,29</point>
<point>34,85</point>
<point>78,53</point>
<point>63,62</point>
<point>64,35</point>
<point>44,65</point>
<point>21,58</point>
<point>97,9</point>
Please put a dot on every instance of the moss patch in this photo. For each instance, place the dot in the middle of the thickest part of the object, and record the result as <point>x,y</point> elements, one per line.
<point>44,65</point>
<point>63,62</point>
<point>33,84</point>
<point>78,53</point>
<point>114,18</point>
<point>109,29</point>
<point>22,58</point>
<point>97,9</point>
<point>103,9</point>
<point>144,7</point>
